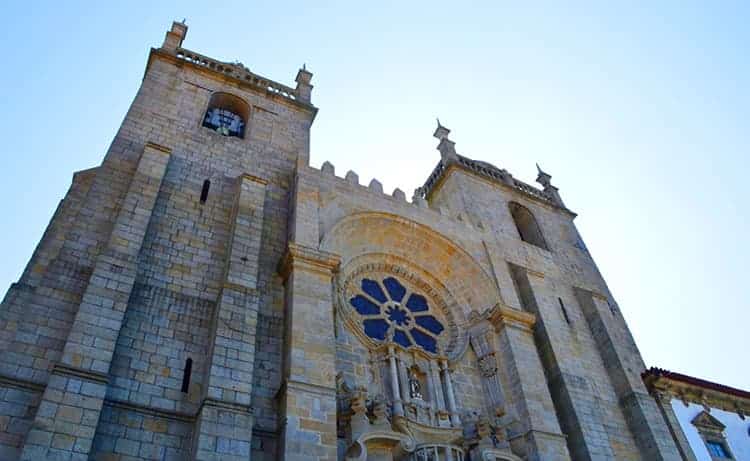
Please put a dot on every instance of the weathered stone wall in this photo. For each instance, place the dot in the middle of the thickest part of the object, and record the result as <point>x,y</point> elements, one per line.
<point>578,368</point>
<point>17,408</point>
<point>125,434</point>
<point>161,330</point>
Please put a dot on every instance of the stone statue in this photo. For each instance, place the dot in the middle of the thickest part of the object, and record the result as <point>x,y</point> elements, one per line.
<point>415,388</point>
<point>379,410</point>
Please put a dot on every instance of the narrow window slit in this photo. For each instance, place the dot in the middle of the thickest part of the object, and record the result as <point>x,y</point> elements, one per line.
<point>186,375</point>
<point>204,191</point>
<point>564,311</point>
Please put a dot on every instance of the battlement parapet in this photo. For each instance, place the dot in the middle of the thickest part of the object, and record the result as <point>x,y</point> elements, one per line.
<point>488,171</point>
<point>375,188</point>
<point>238,71</point>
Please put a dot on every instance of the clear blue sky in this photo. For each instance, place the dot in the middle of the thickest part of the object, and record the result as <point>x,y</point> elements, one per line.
<point>639,112</point>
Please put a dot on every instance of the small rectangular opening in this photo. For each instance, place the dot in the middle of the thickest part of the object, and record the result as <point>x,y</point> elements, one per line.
<point>186,375</point>
<point>564,311</point>
<point>204,191</point>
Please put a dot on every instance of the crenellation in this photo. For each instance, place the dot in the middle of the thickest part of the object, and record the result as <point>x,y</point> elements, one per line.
<point>352,177</point>
<point>328,168</point>
<point>376,186</point>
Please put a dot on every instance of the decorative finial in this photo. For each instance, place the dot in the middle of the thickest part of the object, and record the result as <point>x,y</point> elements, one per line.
<point>551,191</point>
<point>304,88</point>
<point>441,132</point>
<point>183,20</point>
<point>543,178</point>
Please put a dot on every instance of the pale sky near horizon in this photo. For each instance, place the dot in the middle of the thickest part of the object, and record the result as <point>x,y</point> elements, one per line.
<point>638,111</point>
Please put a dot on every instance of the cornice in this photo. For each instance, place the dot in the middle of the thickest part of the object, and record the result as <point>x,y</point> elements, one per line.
<point>503,316</point>
<point>665,384</point>
<point>300,386</point>
<point>20,383</point>
<point>79,373</point>
<point>308,259</point>
<point>227,406</point>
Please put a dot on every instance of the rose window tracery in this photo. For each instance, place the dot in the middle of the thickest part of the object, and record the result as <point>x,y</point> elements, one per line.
<point>386,304</point>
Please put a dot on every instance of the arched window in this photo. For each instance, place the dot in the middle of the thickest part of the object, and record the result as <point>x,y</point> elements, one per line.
<point>227,115</point>
<point>527,225</point>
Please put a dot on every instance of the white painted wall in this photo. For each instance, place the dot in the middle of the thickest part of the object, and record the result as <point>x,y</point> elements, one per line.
<point>737,432</point>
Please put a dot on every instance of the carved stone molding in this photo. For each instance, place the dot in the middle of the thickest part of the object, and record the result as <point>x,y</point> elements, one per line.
<point>309,259</point>
<point>488,365</point>
<point>503,316</point>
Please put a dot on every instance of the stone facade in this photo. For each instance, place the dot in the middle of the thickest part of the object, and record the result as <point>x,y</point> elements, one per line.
<point>207,294</point>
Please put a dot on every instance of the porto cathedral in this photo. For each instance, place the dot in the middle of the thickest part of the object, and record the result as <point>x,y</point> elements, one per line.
<point>207,294</point>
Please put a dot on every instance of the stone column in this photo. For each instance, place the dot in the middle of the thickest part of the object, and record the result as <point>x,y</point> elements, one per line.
<point>431,393</point>
<point>455,420</point>
<point>68,414</point>
<point>398,405</point>
<point>403,379</point>
<point>438,387</point>
<point>538,430</point>
<point>225,423</point>
<point>308,394</point>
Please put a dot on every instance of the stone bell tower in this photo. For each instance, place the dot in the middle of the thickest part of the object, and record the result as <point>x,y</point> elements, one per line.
<point>206,294</point>
<point>153,301</point>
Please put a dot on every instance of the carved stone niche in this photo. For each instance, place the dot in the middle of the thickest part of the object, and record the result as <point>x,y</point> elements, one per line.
<point>483,342</point>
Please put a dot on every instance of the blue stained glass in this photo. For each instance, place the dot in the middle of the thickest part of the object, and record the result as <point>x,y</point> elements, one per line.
<point>429,323</point>
<point>417,303</point>
<point>364,306</point>
<point>372,288</point>
<point>375,328</point>
<point>400,337</point>
<point>386,306</point>
<point>395,289</point>
<point>397,315</point>
<point>427,342</point>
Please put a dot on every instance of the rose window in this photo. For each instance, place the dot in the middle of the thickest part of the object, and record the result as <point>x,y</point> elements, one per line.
<point>386,304</point>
